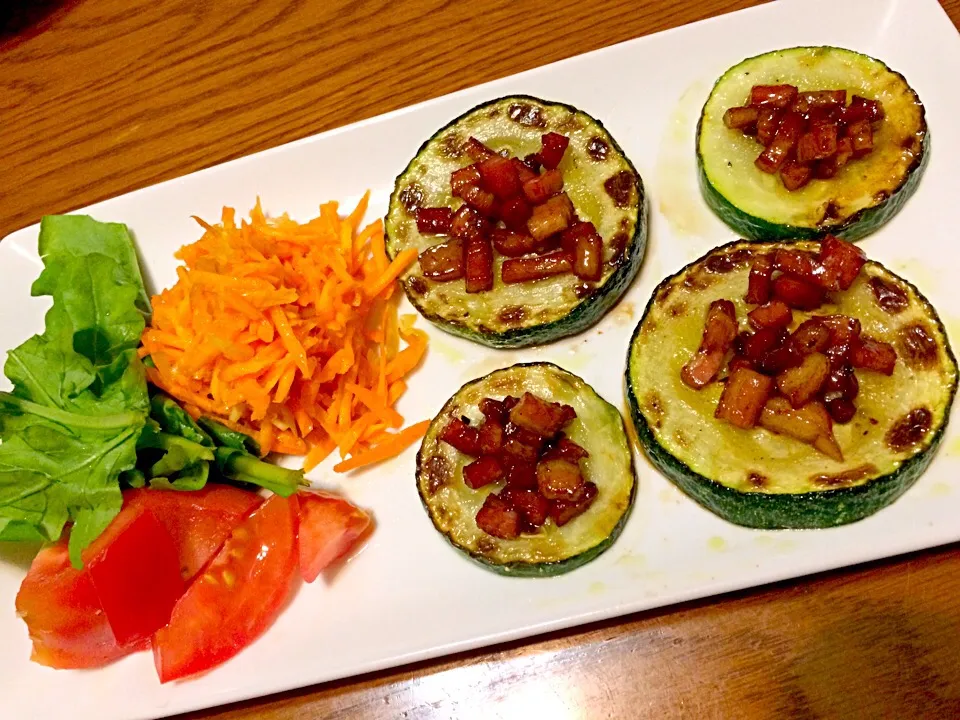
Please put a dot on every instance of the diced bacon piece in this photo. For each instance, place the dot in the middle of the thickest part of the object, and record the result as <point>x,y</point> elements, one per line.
<point>526,269</point>
<point>753,346</point>
<point>516,451</point>
<point>524,171</point>
<point>777,152</point>
<point>809,424</point>
<point>778,96</point>
<point>588,257</point>
<point>467,223</point>
<point>484,471</point>
<point>533,507</point>
<point>481,200</point>
<point>499,176</point>
<point>444,261</point>
<point>799,263</point>
<point>498,518</point>
<point>559,480</point>
<point>797,293</point>
<point>510,402</point>
<point>742,118</point>
<point>464,438</point>
<point>760,283</point>
<point>515,212</point>
<point>876,355</point>
<point>434,220</point>
<point>478,264</point>
<point>842,262</point>
<point>533,162</point>
<point>818,99</point>
<point>743,397</point>
<point>513,244</point>
<point>841,410</point>
<point>520,474</point>
<point>541,417</point>
<point>477,150</point>
<point>844,330</point>
<point>527,437</point>
<point>774,314</point>
<point>543,186</point>
<point>794,175</point>
<point>553,146</point>
<point>563,511</point>
<point>779,359</point>
<point>801,384</point>
<point>579,228</point>
<point>825,139</point>
<point>491,437</point>
<point>830,166</point>
<point>812,336</point>
<point>739,361</point>
<point>463,178</point>
<point>861,135</point>
<point>553,216</point>
<point>566,449</point>
<point>768,122</point>
<point>494,410</point>
<point>861,108</point>
<point>719,331</point>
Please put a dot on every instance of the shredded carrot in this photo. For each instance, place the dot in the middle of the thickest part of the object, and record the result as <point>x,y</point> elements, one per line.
<point>394,445</point>
<point>289,332</point>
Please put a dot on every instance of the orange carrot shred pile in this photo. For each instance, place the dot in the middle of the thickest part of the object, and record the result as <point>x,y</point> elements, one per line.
<point>289,332</point>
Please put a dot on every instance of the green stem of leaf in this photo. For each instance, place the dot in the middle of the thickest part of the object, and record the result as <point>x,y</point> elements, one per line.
<point>70,419</point>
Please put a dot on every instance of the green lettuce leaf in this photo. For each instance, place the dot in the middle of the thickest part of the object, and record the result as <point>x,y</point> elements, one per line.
<point>70,426</point>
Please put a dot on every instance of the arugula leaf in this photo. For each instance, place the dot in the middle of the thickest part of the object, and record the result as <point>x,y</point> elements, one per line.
<point>174,419</point>
<point>241,466</point>
<point>79,402</point>
<point>225,437</point>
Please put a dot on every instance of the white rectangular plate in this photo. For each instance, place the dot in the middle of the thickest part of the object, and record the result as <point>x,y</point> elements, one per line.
<point>408,596</point>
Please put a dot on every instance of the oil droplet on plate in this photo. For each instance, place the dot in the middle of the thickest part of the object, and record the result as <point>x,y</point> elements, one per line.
<point>717,543</point>
<point>596,588</point>
<point>940,489</point>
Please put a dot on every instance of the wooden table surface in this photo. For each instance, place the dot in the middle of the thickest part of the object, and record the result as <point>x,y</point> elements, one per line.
<point>99,97</point>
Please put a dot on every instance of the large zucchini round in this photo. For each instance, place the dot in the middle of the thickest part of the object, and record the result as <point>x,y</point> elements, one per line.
<point>863,196</point>
<point>758,479</point>
<point>602,183</point>
<point>553,550</point>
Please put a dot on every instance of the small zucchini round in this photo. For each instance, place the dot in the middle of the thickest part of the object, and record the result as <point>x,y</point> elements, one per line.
<point>753,477</point>
<point>553,550</point>
<point>863,196</point>
<point>601,182</point>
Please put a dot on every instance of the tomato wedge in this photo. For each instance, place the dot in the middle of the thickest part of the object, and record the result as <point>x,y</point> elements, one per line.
<point>63,614</point>
<point>137,576</point>
<point>329,527</point>
<point>199,521</point>
<point>236,598</point>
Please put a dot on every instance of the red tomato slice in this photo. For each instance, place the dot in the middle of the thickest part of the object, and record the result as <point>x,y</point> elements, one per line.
<point>63,614</point>
<point>236,598</point>
<point>199,522</point>
<point>60,605</point>
<point>137,576</point>
<point>329,527</point>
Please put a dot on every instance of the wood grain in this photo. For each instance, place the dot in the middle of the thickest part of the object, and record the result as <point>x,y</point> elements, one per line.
<point>99,97</point>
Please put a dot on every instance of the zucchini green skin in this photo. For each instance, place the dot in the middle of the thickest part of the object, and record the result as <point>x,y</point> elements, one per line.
<point>520,568</point>
<point>854,227</point>
<point>585,313</point>
<point>802,510</point>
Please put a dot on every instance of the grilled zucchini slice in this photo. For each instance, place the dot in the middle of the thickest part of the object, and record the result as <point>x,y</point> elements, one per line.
<point>860,199</point>
<point>452,505</point>
<point>602,183</point>
<point>758,479</point>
